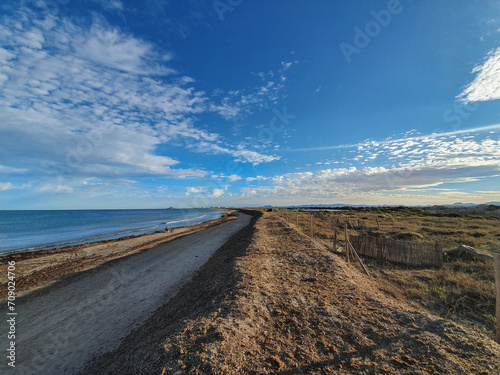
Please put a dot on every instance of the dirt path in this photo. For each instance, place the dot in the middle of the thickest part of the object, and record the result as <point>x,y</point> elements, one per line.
<point>62,326</point>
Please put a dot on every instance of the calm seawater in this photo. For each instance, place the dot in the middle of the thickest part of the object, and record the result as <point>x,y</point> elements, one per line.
<point>36,230</point>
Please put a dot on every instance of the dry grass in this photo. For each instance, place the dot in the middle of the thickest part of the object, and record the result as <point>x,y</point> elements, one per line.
<point>463,289</point>
<point>448,230</point>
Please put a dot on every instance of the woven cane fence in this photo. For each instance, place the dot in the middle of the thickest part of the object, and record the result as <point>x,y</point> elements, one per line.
<point>418,254</point>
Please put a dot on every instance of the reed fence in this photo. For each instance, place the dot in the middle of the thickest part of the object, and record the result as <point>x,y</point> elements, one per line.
<point>418,254</point>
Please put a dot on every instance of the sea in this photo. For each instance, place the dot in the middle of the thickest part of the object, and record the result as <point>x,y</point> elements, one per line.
<point>22,231</point>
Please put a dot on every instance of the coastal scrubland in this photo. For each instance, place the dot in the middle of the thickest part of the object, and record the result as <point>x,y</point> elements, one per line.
<point>275,300</point>
<point>462,289</point>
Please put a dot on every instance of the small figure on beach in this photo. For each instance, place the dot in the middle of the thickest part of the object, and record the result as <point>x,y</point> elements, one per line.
<point>172,230</point>
<point>167,229</point>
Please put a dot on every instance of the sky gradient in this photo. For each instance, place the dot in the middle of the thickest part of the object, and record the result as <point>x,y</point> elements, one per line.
<point>152,104</point>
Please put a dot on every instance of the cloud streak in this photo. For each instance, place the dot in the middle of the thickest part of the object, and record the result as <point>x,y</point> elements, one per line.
<point>392,141</point>
<point>486,84</point>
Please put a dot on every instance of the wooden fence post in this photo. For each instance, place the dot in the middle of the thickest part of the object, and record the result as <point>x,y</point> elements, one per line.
<point>335,241</point>
<point>378,224</point>
<point>496,260</point>
<point>312,233</point>
<point>357,256</point>
<point>437,261</point>
<point>346,242</point>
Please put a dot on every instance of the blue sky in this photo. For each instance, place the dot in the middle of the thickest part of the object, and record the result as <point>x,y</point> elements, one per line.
<point>151,104</point>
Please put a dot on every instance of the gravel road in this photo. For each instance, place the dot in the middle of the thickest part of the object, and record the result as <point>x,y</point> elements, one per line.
<point>61,327</point>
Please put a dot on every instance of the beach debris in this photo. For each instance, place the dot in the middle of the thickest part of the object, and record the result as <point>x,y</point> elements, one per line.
<point>470,250</point>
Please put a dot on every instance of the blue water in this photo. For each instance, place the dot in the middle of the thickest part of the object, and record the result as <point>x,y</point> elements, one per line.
<point>36,230</point>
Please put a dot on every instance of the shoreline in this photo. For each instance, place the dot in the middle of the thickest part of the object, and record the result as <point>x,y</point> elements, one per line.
<point>66,324</point>
<point>127,233</point>
<point>35,269</point>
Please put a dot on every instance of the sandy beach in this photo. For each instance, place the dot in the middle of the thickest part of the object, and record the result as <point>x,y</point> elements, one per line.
<point>66,323</point>
<point>38,268</point>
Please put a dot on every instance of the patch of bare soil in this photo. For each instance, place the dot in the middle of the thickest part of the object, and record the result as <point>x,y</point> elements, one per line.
<point>271,300</point>
<point>38,268</point>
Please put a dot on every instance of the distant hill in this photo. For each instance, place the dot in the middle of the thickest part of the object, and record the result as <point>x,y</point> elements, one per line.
<point>490,209</point>
<point>463,204</point>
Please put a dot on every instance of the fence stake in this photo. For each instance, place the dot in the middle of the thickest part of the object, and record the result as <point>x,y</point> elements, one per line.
<point>312,233</point>
<point>297,218</point>
<point>357,256</point>
<point>496,259</point>
<point>346,240</point>
<point>439,252</point>
<point>378,224</point>
<point>335,241</point>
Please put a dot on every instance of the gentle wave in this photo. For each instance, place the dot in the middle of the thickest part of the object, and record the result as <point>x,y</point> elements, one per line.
<point>112,235</point>
<point>178,221</point>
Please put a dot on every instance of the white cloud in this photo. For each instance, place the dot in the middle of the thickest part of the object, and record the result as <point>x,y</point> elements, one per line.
<point>240,154</point>
<point>56,188</point>
<point>216,193</point>
<point>6,186</point>
<point>114,49</point>
<point>194,190</point>
<point>486,84</point>
<point>253,157</point>
<point>238,103</point>
<point>110,4</point>
<point>423,163</point>
<point>10,170</point>
<point>89,101</point>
